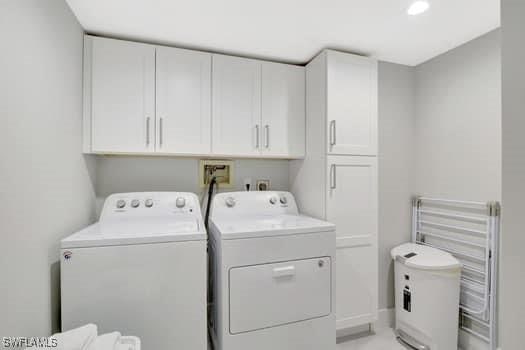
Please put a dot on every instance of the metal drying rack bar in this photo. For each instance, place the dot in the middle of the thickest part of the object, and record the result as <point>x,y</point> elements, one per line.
<point>469,231</point>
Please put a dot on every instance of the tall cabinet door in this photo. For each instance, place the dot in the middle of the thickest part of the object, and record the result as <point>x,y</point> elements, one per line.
<point>236,106</point>
<point>123,96</point>
<point>351,104</point>
<point>283,110</point>
<point>352,207</point>
<point>183,101</point>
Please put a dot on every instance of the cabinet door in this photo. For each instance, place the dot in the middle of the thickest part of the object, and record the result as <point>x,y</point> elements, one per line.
<point>283,110</point>
<point>352,207</point>
<point>236,106</point>
<point>183,98</point>
<point>122,96</point>
<point>351,104</point>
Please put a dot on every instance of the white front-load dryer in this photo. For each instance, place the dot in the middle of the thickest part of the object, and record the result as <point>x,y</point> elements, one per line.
<point>140,270</point>
<point>273,274</point>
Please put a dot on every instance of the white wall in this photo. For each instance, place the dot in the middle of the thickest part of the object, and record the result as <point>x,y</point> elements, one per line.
<point>46,192</point>
<point>439,125</point>
<point>458,123</point>
<point>512,260</point>
<point>128,174</point>
<point>458,127</point>
<point>396,168</point>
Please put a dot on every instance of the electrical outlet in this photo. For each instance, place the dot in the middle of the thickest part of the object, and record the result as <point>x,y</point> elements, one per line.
<point>221,169</point>
<point>263,185</point>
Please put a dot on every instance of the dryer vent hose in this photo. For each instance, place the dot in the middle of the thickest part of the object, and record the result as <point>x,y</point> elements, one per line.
<point>213,182</point>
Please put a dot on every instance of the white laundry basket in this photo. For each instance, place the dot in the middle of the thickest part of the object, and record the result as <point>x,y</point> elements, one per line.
<point>427,297</point>
<point>128,343</point>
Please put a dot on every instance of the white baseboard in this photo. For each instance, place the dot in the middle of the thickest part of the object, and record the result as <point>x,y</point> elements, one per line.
<point>385,319</point>
<point>346,333</point>
<point>469,342</point>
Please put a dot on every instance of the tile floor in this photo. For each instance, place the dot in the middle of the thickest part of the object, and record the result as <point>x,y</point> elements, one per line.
<point>381,340</point>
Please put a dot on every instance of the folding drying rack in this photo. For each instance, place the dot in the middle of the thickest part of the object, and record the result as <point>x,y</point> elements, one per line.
<point>470,232</point>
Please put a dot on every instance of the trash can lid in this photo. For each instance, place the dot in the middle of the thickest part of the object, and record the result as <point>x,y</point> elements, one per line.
<point>423,257</point>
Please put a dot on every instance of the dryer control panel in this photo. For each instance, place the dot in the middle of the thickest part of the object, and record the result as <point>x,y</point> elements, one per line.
<point>254,203</point>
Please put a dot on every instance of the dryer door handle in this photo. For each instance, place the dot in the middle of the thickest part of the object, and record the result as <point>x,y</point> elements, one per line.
<point>285,271</point>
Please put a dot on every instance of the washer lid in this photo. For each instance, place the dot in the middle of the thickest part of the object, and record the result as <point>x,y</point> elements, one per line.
<point>423,257</point>
<point>269,225</point>
<point>136,231</point>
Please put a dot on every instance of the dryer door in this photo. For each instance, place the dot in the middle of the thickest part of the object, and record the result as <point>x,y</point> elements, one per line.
<point>269,295</point>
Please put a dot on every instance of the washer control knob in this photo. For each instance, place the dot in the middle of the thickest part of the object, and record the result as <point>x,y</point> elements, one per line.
<point>273,200</point>
<point>135,203</point>
<point>283,200</point>
<point>230,202</point>
<point>148,203</point>
<point>121,203</point>
<point>180,202</point>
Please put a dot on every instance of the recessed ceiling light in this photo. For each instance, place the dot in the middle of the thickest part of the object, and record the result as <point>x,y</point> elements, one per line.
<point>418,7</point>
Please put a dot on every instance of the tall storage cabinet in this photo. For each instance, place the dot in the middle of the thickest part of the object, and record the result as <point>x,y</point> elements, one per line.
<point>337,180</point>
<point>351,104</point>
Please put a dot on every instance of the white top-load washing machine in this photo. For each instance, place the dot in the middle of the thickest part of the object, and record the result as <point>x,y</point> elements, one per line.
<point>273,274</point>
<point>140,270</point>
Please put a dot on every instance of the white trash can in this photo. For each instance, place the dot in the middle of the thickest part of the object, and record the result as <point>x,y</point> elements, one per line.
<point>427,297</point>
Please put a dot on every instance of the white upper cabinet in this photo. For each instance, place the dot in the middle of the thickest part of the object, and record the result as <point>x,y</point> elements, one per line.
<point>122,88</point>
<point>141,99</point>
<point>283,110</point>
<point>236,106</point>
<point>351,104</point>
<point>183,101</point>
<point>258,108</point>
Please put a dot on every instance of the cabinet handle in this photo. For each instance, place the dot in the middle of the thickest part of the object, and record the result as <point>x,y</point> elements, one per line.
<point>161,132</point>
<point>333,177</point>
<point>147,130</point>
<point>286,271</point>
<point>332,133</point>
<point>267,129</point>
<point>257,136</point>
